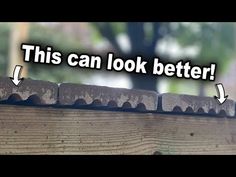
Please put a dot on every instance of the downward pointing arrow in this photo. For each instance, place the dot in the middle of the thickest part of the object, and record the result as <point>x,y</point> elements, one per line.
<point>221,93</point>
<point>16,75</point>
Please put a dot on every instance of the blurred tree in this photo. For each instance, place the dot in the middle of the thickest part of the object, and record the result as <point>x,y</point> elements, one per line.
<point>44,36</point>
<point>143,38</point>
<point>60,41</point>
<point>215,40</point>
<point>19,34</point>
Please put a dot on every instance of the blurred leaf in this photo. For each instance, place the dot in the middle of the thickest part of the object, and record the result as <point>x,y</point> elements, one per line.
<point>60,41</point>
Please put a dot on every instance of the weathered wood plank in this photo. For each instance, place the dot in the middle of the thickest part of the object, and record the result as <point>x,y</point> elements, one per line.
<point>29,130</point>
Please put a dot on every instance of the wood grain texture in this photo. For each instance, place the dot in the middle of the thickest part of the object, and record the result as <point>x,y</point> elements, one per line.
<point>29,130</point>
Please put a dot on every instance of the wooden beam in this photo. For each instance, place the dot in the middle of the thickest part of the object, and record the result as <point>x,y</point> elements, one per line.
<point>30,130</point>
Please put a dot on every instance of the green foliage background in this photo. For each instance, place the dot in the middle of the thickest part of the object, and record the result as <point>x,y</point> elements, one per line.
<point>216,42</point>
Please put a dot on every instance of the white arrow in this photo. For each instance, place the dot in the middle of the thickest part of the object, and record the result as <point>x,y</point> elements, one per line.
<point>16,75</point>
<point>221,93</point>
